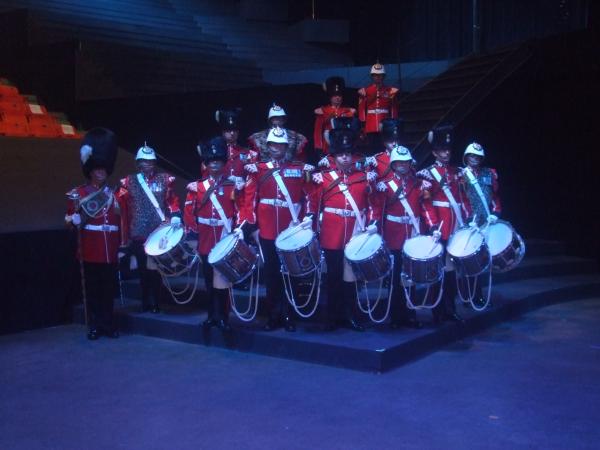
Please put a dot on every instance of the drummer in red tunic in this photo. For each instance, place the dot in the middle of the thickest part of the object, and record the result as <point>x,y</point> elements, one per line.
<point>334,87</point>
<point>276,195</point>
<point>95,212</point>
<point>446,207</point>
<point>343,197</point>
<point>210,210</point>
<point>392,131</point>
<point>399,207</point>
<point>237,156</point>
<point>148,200</point>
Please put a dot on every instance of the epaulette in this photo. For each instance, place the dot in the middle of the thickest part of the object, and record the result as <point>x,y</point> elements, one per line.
<point>394,90</point>
<point>193,186</point>
<point>319,111</point>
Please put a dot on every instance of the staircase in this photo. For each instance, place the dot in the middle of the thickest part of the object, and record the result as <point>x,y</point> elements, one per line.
<point>452,95</point>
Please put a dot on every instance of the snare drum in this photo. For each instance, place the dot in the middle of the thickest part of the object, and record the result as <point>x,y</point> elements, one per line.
<point>506,246</point>
<point>422,260</point>
<point>469,251</point>
<point>368,256</point>
<point>299,251</point>
<point>170,252</point>
<point>233,258</point>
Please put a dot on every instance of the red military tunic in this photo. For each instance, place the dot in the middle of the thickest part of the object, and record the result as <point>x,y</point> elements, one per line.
<point>338,218</point>
<point>200,214</point>
<point>388,209</point>
<point>237,158</point>
<point>264,203</point>
<point>138,216</point>
<point>323,117</point>
<point>382,167</point>
<point>375,104</point>
<point>437,204</point>
<point>100,237</point>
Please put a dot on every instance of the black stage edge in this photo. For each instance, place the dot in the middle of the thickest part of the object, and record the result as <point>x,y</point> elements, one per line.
<point>545,277</point>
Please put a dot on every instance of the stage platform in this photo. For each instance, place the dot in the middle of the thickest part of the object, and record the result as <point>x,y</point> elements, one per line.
<point>545,276</point>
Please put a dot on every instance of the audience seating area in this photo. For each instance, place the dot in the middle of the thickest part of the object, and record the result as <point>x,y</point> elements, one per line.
<point>24,116</point>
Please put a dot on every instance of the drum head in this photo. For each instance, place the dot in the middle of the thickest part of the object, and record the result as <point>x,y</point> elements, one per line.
<point>465,242</point>
<point>163,239</point>
<point>498,237</point>
<point>362,246</point>
<point>294,238</point>
<point>222,248</point>
<point>422,247</point>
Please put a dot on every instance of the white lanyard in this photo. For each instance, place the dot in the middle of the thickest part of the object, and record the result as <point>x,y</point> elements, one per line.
<point>284,191</point>
<point>475,183</point>
<point>215,201</point>
<point>348,195</point>
<point>150,196</point>
<point>406,206</point>
<point>449,195</point>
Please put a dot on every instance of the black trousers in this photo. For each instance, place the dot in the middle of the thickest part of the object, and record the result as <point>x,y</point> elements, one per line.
<point>150,281</point>
<point>277,306</point>
<point>399,312</point>
<point>341,295</point>
<point>218,299</point>
<point>100,291</point>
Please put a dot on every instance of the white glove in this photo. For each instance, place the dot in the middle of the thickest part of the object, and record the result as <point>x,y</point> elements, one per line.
<point>120,255</point>
<point>324,162</point>
<point>251,168</point>
<point>492,219</point>
<point>306,222</point>
<point>239,185</point>
<point>76,219</point>
<point>372,229</point>
<point>437,235</point>
<point>371,161</point>
<point>238,232</point>
<point>175,221</point>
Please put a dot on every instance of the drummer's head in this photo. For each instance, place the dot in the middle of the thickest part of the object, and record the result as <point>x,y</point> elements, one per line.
<point>341,142</point>
<point>344,160</point>
<point>277,143</point>
<point>229,123</point>
<point>146,160</point>
<point>473,156</point>
<point>401,160</point>
<point>214,155</point>
<point>440,139</point>
<point>215,167</point>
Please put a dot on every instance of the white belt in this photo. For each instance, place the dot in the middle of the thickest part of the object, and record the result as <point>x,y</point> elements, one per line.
<point>210,222</point>
<point>276,202</point>
<point>378,111</point>
<point>398,219</point>
<point>442,204</point>
<point>101,228</point>
<point>340,212</point>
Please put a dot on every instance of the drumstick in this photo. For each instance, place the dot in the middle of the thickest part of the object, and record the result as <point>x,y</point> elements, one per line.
<point>435,242</point>
<point>298,228</point>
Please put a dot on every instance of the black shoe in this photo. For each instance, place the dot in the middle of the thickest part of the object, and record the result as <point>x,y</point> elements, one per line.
<point>271,325</point>
<point>210,322</point>
<point>224,326</point>
<point>93,335</point>
<point>353,325</point>
<point>155,309</point>
<point>454,317</point>
<point>289,325</point>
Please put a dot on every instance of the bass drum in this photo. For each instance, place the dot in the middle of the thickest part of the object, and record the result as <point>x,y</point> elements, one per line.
<point>506,246</point>
<point>233,258</point>
<point>422,260</point>
<point>299,251</point>
<point>469,251</point>
<point>173,256</point>
<point>368,256</point>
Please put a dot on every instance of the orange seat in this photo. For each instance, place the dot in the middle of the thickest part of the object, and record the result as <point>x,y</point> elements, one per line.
<point>43,126</point>
<point>14,124</point>
<point>13,105</point>
<point>7,90</point>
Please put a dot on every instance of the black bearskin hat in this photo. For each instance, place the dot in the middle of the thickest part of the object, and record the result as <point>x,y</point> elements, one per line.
<point>98,149</point>
<point>334,86</point>
<point>441,137</point>
<point>228,119</point>
<point>216,148</point>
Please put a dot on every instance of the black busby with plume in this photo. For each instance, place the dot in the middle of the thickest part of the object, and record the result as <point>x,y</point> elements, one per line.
<point>334,86</point>
<point>392,130</point>
<point>228,119</point>
<point>98,150</point>
<point>215,149</point>
<point>441,137</point>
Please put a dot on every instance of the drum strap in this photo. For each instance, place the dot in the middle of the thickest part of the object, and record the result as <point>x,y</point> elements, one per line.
<point>475,183</point>
<point>348,195</point>
<point>399,193</point>
<point>150,196</point>
<point>286,194</point>
<point>215,201</point>
<point>267,175</point>
<point>449,196</point>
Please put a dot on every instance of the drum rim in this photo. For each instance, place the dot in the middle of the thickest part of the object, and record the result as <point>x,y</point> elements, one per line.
<point>313,238</point>
<point>226,254</point>
<point>383,244</point>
